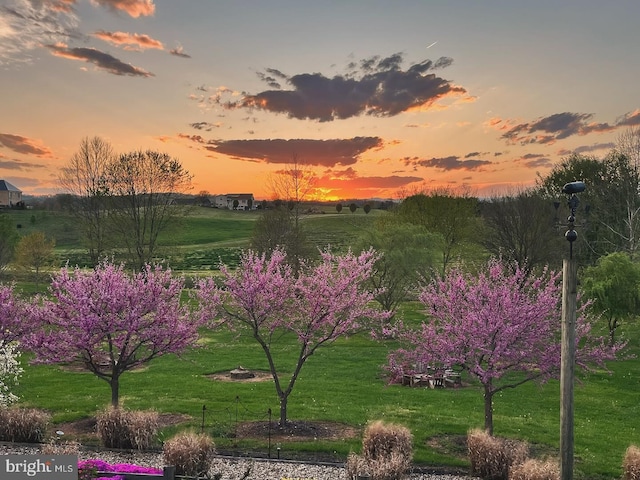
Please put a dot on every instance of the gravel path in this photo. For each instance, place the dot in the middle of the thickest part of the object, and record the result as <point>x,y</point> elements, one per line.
<point>231,468</point>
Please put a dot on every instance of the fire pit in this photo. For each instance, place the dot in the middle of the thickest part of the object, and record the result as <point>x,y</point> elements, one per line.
<point>241,373</point>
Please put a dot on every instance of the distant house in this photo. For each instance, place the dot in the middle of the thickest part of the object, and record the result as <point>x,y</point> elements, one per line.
<point>235,201</point>
<point>219,201</point>
<point>9,195</point>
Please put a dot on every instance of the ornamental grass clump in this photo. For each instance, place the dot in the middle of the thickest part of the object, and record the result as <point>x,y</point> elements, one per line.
<point>23,425</point>
<point>387,451</point>
<point>491,457</point>
<point>631,463</point>
<point>191,453</point>
<point>128,429</point>
<point>533,469</point>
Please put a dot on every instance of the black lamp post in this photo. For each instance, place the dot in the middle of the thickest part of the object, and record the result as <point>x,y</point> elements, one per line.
<point>567,362</point>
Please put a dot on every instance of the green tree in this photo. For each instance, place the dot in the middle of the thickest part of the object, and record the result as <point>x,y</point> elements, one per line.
<point>409,254</point>
<point>338,207</point>
<point>34,252</point>
<point>8,240</point>
<point>453,217</point>
<point>614,286</point>
<point>353,207</point>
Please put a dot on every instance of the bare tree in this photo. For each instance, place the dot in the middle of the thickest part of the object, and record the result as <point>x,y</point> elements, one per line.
<point>294,184</point>
<point>144,185</point>
<point>628,144</point>
<point>290,187</point>
<point>84,177</point>
<point>521,228</point>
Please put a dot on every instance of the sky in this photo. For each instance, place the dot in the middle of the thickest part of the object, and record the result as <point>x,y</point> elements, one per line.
<point>377,99</point>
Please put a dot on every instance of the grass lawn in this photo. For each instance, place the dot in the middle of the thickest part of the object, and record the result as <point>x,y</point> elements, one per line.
<point>344,383</point>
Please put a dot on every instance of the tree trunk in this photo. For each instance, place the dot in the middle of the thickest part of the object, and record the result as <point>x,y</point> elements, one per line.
<point>115,391</point>
<point>284,398</point>
<point>613,325</point>
<point>488,408</point>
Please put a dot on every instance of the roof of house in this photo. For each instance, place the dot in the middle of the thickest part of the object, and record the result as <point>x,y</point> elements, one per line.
<point>240,196</point>
<point>4,185</point>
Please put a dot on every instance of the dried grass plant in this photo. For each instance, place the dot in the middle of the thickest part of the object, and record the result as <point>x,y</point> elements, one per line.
<point>631,463</point>
<point>127,429</point>
<point>191,453</point>
<point>492,457</point>
<point>23,425</point>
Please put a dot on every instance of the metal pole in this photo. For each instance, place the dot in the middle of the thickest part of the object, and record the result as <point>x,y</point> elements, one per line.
<point>567,367</point>
<point>269,431</point>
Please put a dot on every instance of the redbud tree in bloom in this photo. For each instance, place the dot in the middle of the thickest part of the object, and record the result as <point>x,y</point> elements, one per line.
<point>501,325</point>
<point>111,322</point>
<point>14,316</point>
<point>324,302</point>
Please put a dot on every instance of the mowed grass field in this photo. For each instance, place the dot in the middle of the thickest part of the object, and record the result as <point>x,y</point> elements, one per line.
<point>343,382</point>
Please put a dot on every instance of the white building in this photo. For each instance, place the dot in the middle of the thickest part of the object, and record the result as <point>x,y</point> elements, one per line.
<point>9,195</point>
<point>235,201</point>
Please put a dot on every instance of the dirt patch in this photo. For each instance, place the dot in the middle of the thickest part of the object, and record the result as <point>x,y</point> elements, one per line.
<point>297,431</point>
<point>258,376</point>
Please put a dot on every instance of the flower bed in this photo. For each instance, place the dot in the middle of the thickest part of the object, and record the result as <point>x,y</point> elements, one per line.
<point>91,469</point>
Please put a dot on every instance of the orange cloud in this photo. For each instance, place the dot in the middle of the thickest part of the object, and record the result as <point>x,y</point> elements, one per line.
<point>64,6</point>
<point>134,8</point>
<point>141,42</point>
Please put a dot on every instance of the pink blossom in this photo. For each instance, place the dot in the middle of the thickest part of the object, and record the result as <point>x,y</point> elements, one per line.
<point>492,324</point>
<point>324,302</point>
<point>111,322</point>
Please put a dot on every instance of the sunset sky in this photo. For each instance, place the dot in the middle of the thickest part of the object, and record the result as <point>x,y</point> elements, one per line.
<point>379,98</point>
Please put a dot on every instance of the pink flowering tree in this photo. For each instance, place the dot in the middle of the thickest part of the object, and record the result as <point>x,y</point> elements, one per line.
<point>110,322</point>
<point>500,325</point>
<point>14,316</point>
<point>326,301</point>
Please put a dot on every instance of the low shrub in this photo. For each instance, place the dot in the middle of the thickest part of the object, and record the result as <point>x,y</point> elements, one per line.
<point>23,425</point>
<point>532,469</point>
<point>356,466</point>
<point>492,457</point>
<point>631,463</point>
<point>387,451</point>
<point>128,429</point>
<point>191,453</point>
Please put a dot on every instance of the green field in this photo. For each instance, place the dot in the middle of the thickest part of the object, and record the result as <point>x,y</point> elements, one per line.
<point>343,382</point>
